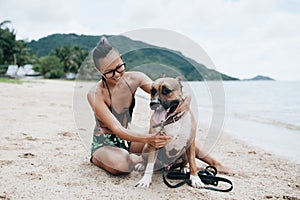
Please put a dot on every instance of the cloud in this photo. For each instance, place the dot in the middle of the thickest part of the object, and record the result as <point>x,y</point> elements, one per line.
<point>33,19</point>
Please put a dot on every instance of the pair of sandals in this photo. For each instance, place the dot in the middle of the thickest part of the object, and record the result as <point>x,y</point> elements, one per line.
<point>207,176</point>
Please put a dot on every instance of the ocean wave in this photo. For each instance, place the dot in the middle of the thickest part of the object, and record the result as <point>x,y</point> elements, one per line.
<point>272,122</point>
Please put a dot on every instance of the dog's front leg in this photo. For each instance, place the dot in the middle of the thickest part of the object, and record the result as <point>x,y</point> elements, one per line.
<point>147,178</point>
<point>194,178</point>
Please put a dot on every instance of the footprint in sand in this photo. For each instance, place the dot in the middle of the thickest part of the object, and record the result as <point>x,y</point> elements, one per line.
<point>28,137</point>
<point>27,155</point>
<point>33,176</point>
<point>290,198</point>
<point>4,196</point>
<point>42,116</point>
<point>5,162</point>
<point>67,134</point>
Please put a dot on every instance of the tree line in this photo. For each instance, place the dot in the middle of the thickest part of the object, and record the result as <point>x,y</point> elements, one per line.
<point>61,60</point>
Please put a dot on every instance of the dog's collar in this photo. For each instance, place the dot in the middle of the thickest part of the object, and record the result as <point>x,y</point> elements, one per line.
<point>169,120</point>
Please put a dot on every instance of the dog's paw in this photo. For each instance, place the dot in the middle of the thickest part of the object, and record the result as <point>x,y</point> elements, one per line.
<point>144,182</point>
<point>196,181</point>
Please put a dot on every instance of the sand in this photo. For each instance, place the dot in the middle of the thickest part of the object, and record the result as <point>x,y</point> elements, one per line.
<point>42,156</point>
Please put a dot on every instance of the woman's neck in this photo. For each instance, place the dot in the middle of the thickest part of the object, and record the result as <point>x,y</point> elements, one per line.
<point>110,84</point>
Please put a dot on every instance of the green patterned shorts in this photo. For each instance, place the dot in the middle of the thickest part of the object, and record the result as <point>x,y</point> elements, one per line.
<point>108,140</point>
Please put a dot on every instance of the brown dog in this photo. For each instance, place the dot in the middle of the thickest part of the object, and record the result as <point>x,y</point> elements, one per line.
<point>166,95</point>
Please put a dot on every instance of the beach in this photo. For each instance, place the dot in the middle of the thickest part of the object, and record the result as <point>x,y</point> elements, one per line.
<point>44,156</point>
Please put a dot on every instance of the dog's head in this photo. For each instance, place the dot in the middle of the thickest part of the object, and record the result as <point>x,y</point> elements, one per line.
<point>166,94</point>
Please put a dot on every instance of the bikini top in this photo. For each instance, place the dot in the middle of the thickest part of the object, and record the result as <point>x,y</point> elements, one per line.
<point>124,117</point>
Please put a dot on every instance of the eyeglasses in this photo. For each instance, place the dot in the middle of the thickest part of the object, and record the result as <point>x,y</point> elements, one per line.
<point>120,68</point>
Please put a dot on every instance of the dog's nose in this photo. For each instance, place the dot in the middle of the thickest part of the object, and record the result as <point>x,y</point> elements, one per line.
<point>154,103</point>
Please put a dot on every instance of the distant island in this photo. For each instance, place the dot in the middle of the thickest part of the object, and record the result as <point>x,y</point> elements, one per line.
<point>260,78</point>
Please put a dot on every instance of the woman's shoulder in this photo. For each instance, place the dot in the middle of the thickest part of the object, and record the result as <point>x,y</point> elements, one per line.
<point>139,79</point>
<point>137,76</point>
<point>96,91</point>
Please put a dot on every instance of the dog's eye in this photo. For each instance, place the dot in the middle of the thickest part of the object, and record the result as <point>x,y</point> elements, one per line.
<point>165,90</point>
<point>153,91</point>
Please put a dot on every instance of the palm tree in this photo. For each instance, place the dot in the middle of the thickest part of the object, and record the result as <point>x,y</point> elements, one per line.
<point>64,53</point>
<point>70,57</point>
<point>4,22</point>
<point>7,43</point>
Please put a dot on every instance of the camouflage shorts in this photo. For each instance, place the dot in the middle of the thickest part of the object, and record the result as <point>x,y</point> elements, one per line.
<point>108,140</point>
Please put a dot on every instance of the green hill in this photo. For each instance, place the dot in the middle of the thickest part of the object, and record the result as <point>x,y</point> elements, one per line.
<point>152,60</point>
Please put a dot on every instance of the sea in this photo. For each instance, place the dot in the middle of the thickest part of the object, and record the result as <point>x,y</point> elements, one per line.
<point>263,113</point>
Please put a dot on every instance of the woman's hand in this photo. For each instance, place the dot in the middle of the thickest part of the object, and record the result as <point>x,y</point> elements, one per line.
<point>158,140</point>
<point>184,106</point>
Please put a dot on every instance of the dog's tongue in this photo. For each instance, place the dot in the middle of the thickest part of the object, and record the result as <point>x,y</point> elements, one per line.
<point>159,116</point>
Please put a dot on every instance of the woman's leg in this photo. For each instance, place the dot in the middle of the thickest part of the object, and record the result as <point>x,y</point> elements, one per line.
<point>114,160</point>
<point>137,147</point>
<point>210,160</point>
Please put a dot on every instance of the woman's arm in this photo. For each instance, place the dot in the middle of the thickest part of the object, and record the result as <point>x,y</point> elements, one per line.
<point>184,106</point>
<point>104,114</point>
<point>144,81</point>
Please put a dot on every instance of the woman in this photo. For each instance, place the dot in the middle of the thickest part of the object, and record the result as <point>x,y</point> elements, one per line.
<point>112,100</point>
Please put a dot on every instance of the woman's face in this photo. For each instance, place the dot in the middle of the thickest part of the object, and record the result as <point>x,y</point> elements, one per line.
<point>114,70</point>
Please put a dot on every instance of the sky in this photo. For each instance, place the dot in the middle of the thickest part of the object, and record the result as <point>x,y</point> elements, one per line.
<point>243,38</point>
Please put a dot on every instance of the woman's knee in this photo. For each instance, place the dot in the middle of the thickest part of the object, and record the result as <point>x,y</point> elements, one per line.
<point>115,163</point>
<point>112,169</point>
<point>116,172</point>
<point>124,163</point>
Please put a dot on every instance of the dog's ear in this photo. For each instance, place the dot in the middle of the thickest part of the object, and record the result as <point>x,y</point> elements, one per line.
<point>179,79</point>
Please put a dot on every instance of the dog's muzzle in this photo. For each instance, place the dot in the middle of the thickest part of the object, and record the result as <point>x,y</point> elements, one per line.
<point>155,103</point>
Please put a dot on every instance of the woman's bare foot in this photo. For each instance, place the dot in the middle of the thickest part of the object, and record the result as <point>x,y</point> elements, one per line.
<point>224,170</point>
